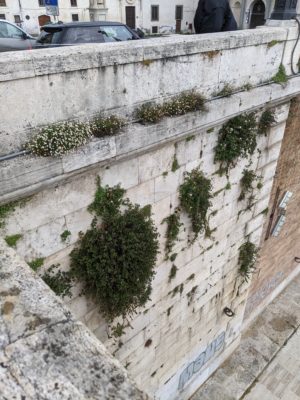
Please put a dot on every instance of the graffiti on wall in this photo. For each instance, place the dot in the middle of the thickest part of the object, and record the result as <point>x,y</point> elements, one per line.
<point>195,366</point>
<point>262,293</point>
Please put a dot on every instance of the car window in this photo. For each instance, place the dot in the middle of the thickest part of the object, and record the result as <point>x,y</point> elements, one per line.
<point>83,34</point>
<point>50,36</point>
<point>116,33</point>
<point>10,32</point>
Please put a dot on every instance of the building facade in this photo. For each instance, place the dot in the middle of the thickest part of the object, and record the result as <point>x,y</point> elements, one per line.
<point>31,14</point>
<point>152,16</point>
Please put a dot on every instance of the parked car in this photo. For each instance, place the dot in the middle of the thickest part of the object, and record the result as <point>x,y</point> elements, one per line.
<point>74,33</point>
<point>14,38</point>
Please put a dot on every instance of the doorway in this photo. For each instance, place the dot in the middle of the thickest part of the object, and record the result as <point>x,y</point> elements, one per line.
<point>130,16</point>
<point>258,14</point>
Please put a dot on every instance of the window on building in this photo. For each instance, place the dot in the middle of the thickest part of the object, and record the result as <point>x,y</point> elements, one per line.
<point>74,4</point>
<point>179,12</point>
<point>75,17</point>
<point>154,13</point>
<point>2,3</point>
<point>17,19</point>
<point>42,3</point>
<point>2,16</point>
<point>154,29</point>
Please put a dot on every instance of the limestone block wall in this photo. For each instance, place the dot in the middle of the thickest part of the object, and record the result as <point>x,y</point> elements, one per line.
<point>181,336</point>
<point>184,319</point>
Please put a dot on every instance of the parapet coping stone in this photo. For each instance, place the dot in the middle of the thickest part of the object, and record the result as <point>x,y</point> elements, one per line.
<point>28,64</point>
<point>44,352</point>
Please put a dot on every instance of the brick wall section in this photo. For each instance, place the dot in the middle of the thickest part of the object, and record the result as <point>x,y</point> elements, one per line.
<point>277,253</point>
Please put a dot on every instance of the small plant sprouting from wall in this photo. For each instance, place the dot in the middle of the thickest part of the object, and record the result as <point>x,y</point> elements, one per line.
<point>13,239</point>
<point>65,235</point>
<point>267,119</point>
<point>118,330</point>
<point>58,139</point>
<point>281,76</point>
<point>173,272</point>
<point>248,178</point>
<point>173,228</point>
<point>109,126</point>
<point>115,258</point>
<point>59,281</point>
<point>5,210</point>
<point>237,138</point>
<point>247,259</point>
<point>36,264</point>
<point>195,194</point>
<point>175,165</point>
<point>149,114</point>
<point>180,105</point>
<point>226,91</point>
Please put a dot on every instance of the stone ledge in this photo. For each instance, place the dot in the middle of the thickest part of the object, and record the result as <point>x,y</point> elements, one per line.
<point>44,352</point>
<point>24,176</point>
<point>53,61</point>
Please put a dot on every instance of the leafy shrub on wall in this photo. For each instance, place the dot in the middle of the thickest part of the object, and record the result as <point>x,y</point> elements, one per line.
<point>194,194</point>
<point>116,257</point>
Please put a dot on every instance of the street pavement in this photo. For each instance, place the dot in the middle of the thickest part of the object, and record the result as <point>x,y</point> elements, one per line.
<point>266,365</point>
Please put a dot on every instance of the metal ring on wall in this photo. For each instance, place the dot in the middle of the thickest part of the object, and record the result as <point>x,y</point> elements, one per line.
<point>228,312</point>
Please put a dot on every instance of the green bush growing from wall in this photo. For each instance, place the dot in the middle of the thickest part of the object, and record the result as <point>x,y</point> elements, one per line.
<point>237,139</point>
<point>195,194</point>
<point>115,258</point>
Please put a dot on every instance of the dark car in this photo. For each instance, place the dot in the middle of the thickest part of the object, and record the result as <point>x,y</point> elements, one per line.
<point>14,38</point>
<point>74,33</point>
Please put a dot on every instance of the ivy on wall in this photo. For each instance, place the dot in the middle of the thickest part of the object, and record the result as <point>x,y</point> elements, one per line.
<point>115,258</point>
<point>195,194</point>
<point>247,259</point>
<point>237,139</point>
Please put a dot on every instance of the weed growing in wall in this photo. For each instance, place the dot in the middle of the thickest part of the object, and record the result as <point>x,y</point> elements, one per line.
<point>59,281</point>
<point>106,126</point>
<point>58,139</point>
<point>248,178</point>
<point>180,105</point>
<point>149,114</point>
<point>65,235</point>
<point>115,258</point>
<point>226,91</point>
<point>247,259</point>
<point>13,239</point>
<point>267,119</point>
<point>5,210</point>
<point>173,227</point>
<point>36,264</point>
<point>281,76</point>
<point>237,139</point>
<point>195,194</point>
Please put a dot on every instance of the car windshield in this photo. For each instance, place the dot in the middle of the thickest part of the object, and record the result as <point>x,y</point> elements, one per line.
<point>116,33</point>
<point>83,34</point>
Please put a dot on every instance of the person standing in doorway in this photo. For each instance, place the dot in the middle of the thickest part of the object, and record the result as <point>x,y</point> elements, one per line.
<point>214,16</point>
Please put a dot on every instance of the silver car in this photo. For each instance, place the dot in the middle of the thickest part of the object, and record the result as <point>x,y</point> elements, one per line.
<point>14,38</point>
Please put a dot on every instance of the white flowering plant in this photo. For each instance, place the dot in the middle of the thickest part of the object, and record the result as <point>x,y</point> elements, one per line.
<point>106,126</point>
<point>58,139</point>
<point>180,105</point>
